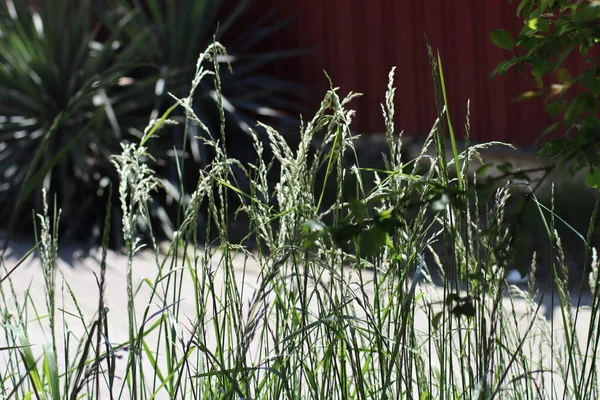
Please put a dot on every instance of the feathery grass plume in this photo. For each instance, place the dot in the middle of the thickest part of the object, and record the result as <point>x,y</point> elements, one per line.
<point>593,277</point>
<point>48,250</point>
<point>394,143</point>
<point>136,181</point>
<point>135,184</point>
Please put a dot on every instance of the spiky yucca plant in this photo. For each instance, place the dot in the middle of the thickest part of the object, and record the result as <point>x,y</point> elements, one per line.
<point>79,78</point>
<point>63,108</point>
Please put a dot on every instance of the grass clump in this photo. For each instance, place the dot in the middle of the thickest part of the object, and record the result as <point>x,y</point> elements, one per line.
<point>336,300</point>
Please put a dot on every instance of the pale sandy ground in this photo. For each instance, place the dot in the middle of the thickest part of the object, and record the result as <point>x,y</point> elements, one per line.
<point>78,270</point>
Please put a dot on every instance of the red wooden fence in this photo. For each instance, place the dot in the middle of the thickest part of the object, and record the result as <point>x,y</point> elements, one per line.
<point>358,41</point>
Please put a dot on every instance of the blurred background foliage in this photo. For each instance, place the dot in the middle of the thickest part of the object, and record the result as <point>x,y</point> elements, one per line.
<point>77,78</point>
<point>555,32</point>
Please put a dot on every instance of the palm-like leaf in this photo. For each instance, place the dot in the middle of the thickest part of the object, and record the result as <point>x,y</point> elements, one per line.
<point>79,77</point>
<point>56,84</point>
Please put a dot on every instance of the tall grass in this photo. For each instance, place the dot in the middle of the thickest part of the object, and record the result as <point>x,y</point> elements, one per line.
<point>336,301</point>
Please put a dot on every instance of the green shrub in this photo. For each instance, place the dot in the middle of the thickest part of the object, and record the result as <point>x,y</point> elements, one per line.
<point>553,31</point>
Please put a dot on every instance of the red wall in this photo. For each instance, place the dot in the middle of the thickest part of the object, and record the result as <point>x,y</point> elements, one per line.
<point>358,41</point>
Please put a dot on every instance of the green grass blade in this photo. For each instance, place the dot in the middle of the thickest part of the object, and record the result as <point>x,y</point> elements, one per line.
<point>450,127</point>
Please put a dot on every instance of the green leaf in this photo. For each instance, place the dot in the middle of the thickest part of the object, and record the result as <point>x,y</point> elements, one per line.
<point>564,76</point>
<point>358,209</point>
<point>50,368</point>
<point>504,66</point>
<point>590,81</point>
<point>505,167</point>
<point>482,171</point>
<point>34,180</point>
<point>477,276</point>
<point>592,178</point>
<point>312,226</point>
<point>544,4</point>
<point>552,127</point>
<point>556,108</point>
<point>527,42</point>
<point>582,103</point>
<point>540,69</point>
<point>312,233</point>
<point>451,298</point>
<point>465,310</point>
<point>436,320</point>
<point>521,7</point>
<point>502,39</point>
<point>528,95</point>
<point>533,23</point>
<point>587,14</point>
<point>371,241</point>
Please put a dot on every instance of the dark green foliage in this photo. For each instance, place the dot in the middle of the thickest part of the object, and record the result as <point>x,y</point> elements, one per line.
<point>63,112</point>
<point>77,78</point>
<point>553,31</point>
